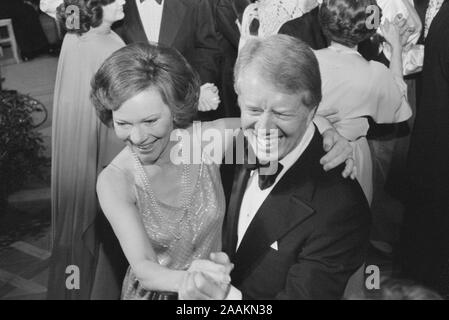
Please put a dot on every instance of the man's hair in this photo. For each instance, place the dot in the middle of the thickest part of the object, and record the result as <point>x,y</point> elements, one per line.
<point>286,62</point>
<point>344,21</point>
<point>139,66</point>
<point>90,13</point>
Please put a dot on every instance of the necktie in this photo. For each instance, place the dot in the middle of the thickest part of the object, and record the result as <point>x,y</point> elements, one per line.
<point>158,1</point>
<point>265,181</point>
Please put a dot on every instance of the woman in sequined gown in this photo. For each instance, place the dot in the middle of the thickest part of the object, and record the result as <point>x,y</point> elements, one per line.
<point>167,217</point>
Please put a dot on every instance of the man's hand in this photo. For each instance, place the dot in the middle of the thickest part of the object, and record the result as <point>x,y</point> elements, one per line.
<point>198,286</point>
<point>338,150</point>
<point>209,99</point>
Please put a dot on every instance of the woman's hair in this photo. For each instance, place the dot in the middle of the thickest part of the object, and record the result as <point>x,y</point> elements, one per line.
<point>344,21</point>
<point>286,62</point>
<point>139,66</point>
<point>89,12</point>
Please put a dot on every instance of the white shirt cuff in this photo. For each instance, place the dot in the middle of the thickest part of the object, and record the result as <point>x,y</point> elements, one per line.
<point>234,294</point>
<point>322,123</point>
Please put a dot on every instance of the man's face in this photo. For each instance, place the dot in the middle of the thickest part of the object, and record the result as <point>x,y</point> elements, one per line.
<point>270,118</point>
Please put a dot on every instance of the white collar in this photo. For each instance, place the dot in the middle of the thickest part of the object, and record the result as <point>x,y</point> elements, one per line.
<point>293,156</point>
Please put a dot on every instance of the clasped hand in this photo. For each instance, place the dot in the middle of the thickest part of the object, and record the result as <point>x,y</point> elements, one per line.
<point>207,279</point>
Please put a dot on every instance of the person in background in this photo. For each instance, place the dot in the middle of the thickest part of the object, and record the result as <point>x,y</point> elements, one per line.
<point>186,25</point>
<point>424,254</point>
<point>81,147</point>
<point>29,34</point>
<point>226,16</point>
<point>355,87</point>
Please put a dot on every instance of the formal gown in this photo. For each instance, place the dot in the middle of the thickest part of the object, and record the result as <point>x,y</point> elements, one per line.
<point>359,89</point>
<point>179,235</point>
<point>81,147</point>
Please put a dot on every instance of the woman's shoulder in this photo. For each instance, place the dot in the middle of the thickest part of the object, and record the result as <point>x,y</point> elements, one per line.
<point>118,175</point>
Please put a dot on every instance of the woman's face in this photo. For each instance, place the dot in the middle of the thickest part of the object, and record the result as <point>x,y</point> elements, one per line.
<point>144,122</point>
<point>114,11</point>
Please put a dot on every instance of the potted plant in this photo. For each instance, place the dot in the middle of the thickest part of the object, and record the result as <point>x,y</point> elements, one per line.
<point>21,146</point>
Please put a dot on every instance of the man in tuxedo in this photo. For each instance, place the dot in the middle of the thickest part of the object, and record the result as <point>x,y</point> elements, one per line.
<point>299,233</point>
<point>185,25</point>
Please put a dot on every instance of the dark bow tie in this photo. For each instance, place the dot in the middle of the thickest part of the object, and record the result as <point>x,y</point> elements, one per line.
<point>265,180</point>
<point>158,1</point>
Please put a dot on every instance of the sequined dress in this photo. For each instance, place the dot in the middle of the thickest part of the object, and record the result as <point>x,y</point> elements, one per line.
<point>179,234</point>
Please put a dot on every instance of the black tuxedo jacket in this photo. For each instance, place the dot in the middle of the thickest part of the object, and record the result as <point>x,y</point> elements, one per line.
<point>320,222</point>
<point>187,26</point>
<point>306,28</point>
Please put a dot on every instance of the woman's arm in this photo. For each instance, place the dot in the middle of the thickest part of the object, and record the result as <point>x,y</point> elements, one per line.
<point>114,194</point>
<point>392,35</point>
<point>226,129</point>
<point>118,204</point>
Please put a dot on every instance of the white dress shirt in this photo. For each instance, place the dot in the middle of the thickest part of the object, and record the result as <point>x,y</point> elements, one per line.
<point>254,196</point>
<point>50,6</point>
<point>151,16</point>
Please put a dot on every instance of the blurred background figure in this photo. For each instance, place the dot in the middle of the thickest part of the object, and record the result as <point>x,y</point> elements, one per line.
<point>29,34</point>
<point>425,236</point>
<point>185,25</point>
<point>81,147</point>
<point>355,87</point>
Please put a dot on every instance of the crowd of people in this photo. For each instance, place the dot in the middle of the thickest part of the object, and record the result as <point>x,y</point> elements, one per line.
<point>303,84</point>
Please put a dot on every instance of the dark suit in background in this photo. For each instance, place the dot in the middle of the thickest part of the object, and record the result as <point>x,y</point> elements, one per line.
<point>307,28</point>
<point>187,25</point>
<point>320,222</point>
<point>425,236</point>
<point>226,13</point>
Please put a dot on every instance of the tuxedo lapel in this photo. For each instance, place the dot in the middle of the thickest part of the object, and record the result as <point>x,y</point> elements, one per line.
<point>235,202</point>
<point>133,24</point>
<point>172,19</point>
<point>285,207</point>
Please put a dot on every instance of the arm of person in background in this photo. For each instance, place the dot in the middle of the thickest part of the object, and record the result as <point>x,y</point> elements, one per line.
<point>207,50</point>
<point>49,7</point>
<point>391,33</point>
<point>118,204</point>
<point>338,148</point>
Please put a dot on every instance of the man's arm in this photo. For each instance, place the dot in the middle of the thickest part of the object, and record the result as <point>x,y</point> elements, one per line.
<point>207,51</point>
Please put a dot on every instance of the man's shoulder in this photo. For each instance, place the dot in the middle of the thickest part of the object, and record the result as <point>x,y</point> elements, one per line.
<point>330,189</point>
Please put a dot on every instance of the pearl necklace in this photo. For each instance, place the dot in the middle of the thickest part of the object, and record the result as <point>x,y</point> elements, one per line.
<point>185,185</point>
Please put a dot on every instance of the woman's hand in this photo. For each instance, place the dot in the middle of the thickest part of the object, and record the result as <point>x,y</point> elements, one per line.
<point>391,33</point>
<point>209,99</point>
<point>219,272</point>
<point>339,150</point>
